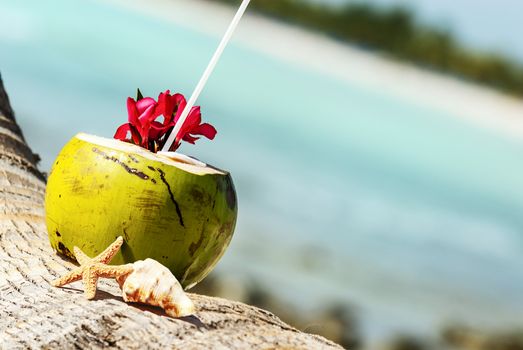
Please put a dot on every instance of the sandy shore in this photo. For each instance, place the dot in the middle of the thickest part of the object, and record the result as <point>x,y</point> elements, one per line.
<point>476,104</point>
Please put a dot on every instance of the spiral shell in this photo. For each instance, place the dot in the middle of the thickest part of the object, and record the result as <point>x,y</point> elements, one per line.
<point>152,283</point>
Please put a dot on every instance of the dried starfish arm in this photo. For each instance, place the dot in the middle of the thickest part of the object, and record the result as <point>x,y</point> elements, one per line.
<point>90,279</point>
<point>110,271</point>
<point>80,256</point>
<point>107,255</point>
<point>71,277</point>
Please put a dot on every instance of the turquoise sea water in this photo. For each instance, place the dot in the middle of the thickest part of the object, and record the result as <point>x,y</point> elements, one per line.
<point>346,194</point>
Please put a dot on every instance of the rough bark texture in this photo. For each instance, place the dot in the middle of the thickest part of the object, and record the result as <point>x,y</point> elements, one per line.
<point>35,315</point>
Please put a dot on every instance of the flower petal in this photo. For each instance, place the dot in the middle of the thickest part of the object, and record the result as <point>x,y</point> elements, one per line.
<point>122,131</point>
<point>145,103</point>
<point>206,130</point>
<point>135,134</point>
<point>148,115</point>
<point>165,106</point>
<point>193,120</point>
<point>190,139</point>
<point>157,130</point>
<point>146,118</point>
<point>195,117</point>
<point>132,112</point>
<point>181,106</point>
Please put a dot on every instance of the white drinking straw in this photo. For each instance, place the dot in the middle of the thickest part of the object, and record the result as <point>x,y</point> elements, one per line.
<point>205,76</point>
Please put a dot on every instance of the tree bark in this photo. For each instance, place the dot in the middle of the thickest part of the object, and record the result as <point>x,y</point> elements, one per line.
<point>35,315</point>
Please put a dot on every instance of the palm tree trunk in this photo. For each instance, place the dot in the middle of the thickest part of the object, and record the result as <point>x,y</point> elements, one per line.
<point>35,315</point>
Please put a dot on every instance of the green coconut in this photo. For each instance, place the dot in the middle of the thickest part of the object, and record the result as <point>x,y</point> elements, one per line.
<point>168,207</point>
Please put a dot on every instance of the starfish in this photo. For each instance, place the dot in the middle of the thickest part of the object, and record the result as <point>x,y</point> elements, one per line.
<point>91,269</point>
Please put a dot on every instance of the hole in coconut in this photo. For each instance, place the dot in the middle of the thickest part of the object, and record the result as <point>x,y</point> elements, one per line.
<point>170,158</point>
<point>182,158</point>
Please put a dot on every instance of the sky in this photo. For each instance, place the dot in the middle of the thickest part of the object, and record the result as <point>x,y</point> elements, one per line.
<point>484,24</point>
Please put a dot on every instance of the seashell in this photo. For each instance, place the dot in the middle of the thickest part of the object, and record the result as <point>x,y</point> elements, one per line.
<point>152,283</point>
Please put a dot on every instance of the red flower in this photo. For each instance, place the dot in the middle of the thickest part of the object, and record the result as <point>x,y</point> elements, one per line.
<point>145,128</point>
<point>193,125</point>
